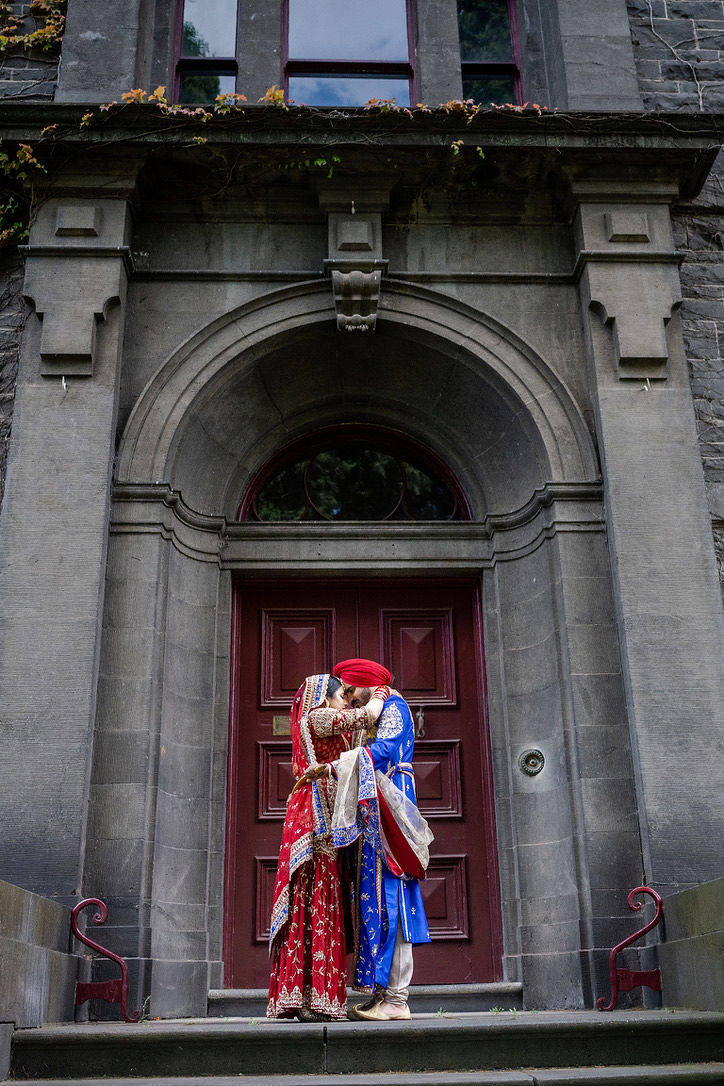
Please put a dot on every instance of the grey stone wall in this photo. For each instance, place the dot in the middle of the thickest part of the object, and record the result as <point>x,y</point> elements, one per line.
<point>27,74</point>
<point>12,318</point>
<point>680,63</point>
<point>38,971</point>
<point>692,953</point>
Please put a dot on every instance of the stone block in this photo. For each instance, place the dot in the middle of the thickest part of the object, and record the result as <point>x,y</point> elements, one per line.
<point>179,874</point>
<point>694,912</point>
<point>604,751</point>
<point>614,858</point>
<point>6,1036</point>
<point>546,869</point>
<point>179,989</point>
<point>183,769</point>
<point>599,700</point>
<point>542,816</point>
<point>692,972</point>
<point>37,981</point>
<point>181,821</point>
<point>609,803</point>
<point>552,980</point>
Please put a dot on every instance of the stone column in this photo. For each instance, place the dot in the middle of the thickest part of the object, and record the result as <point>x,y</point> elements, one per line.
<point>665,586</point>
<point>53,536</point>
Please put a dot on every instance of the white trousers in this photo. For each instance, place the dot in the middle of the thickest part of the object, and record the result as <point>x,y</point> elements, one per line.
<point>398,982</point>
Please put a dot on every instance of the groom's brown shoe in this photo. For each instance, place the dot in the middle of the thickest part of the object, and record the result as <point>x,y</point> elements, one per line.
<point>384,1012</point>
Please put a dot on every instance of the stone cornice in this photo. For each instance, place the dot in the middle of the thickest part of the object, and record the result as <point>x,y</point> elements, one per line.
<point>681,146</point>
<point>158,508</point>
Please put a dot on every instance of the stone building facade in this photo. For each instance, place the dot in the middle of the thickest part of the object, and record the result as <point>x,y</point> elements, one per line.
<point>190,288</point>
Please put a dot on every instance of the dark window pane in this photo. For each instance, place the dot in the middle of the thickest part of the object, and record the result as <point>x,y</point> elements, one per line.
<point>342,90</point>
<point>426,498</point>
<point>484,30</point>
<point>487,89</point>
<point>209,28</point>
<point>348,30</point>
<point>201,87</point>
<point>353,479</point>
<point>351,482</point>
<point>283,497</point>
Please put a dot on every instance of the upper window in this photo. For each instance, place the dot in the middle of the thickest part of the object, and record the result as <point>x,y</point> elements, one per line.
<point>344,53</point>
<point>206,49</point>
<point>355,473</point>
<point>488,45</point>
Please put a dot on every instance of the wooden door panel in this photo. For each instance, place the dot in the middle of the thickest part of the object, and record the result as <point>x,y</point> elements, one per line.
<point>283,632</point>
<point>264,881</point>
<point>275,779</point>
<point>294,643</point>
<point>438,782</point>
<point>445,893</point>
<point>418,645</point>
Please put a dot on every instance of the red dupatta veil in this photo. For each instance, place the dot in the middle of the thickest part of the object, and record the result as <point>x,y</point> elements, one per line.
<point>302,819</point>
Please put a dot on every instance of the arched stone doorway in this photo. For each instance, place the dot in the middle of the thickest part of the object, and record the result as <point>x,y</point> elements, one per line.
<point>511,432</point>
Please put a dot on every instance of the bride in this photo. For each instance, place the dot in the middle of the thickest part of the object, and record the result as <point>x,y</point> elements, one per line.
<point>307,940</point>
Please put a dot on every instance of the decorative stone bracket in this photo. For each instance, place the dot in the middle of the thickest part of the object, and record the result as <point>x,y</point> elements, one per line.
<point>628,270</point>
<point>71,298</point>
<point>636,302</point>
<point>74,274</point>
<point>356,267</point>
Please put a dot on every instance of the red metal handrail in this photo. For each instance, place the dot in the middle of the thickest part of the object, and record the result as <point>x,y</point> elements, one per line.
<point>112,991</point>
<point>625,980</point>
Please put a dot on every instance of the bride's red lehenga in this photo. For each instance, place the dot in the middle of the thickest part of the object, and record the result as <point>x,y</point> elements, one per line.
<point>307,940</point>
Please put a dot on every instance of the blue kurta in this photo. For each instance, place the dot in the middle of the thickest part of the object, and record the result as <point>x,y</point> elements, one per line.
<point>391,753</point>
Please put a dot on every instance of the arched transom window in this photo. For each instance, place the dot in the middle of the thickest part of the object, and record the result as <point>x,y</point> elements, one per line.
<point>352,473</point>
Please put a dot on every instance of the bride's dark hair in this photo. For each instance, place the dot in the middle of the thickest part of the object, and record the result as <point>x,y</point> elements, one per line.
<point>333,686</point>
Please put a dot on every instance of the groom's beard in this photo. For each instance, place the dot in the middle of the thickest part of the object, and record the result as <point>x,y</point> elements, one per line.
<point>361,696</point>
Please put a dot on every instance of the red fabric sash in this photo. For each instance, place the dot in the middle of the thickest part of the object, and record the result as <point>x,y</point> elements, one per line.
<point>401,858</point>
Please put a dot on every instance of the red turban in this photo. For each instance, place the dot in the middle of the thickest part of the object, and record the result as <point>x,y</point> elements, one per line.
<point>362,673</point>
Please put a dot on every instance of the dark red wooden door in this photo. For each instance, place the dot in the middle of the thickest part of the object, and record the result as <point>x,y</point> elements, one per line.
<point>428,634</point>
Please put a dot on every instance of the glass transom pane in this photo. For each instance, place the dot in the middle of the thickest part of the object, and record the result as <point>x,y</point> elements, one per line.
<point>489,89</point>
<point>354,479</point>
<point>347,90</point>
<point>484,30</point>
<point>202,87</point>
<point>348,30</point>
<point>209,28</point>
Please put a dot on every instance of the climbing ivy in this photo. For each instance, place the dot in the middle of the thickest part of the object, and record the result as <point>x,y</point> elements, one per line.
<point>45,36</point>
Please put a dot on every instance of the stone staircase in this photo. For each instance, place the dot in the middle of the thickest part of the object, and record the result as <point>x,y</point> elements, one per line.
<point>516,1048</point>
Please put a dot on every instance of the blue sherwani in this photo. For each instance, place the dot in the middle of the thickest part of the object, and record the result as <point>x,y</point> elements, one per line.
<point>391,753</point>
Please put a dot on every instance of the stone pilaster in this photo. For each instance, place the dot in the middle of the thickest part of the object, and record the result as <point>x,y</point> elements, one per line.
<point>665,588</point>
<point>53,535</point>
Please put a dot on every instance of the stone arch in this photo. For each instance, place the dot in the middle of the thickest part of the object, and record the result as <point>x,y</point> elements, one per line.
<point>272,369</point>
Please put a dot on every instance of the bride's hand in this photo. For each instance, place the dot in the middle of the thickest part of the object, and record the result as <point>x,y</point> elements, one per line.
<point>316,771</point>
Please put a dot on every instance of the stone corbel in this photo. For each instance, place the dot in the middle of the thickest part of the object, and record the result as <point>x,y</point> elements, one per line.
<point>628,271</point>
<point>355,263</point>
<point>73,275</point>
<point>636,302</point>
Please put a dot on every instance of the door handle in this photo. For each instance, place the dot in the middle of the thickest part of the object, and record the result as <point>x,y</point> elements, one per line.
<point>420,717</point>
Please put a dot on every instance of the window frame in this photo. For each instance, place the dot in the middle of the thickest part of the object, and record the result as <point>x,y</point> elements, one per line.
<point>183,64</point>
<point>309,66</point>
<point>479,69</point>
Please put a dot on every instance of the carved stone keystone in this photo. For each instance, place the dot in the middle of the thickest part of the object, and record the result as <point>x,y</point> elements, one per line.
<point>355,263</point>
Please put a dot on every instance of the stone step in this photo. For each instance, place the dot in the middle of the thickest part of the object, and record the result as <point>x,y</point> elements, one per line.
<point>711,1074</point>
<point>427,1044</point>
<point>424,998</point>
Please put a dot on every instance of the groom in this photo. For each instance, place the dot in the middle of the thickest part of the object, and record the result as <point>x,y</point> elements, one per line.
<point>391,752</point>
